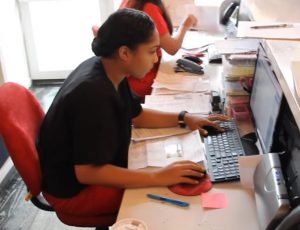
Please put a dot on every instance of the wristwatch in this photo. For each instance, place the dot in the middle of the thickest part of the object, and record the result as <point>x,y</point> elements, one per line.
<point>181,122</point>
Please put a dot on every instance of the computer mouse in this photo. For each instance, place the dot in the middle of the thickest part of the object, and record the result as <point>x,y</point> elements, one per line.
<point>197,177</point>
<point>192,189</point>
<point>211,130</point>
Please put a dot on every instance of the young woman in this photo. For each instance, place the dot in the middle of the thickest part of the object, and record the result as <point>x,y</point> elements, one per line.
<point>84,138</point>
<point>170,43</point>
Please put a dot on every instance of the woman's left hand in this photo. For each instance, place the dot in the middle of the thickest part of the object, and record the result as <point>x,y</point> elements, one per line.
<point>197,122</point>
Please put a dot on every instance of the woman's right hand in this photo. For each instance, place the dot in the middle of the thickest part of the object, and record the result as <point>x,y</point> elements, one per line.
<point>178,172</point>
<point>190,21</point>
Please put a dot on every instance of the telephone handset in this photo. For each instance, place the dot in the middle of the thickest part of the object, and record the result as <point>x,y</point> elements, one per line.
<point>228,12</point>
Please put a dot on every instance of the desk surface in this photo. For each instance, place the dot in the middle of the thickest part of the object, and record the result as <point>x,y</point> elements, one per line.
<point>272,10</point>
<point>281,54</point>
<point>239,214</point>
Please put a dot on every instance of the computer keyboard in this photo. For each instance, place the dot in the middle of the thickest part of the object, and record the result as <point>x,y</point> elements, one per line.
<point>222,152</point>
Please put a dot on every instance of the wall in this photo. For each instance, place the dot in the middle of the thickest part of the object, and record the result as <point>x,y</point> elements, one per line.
<point>272,10</point>
<point>12,49</point>
<point>1,72</point>
<point>13,64</point>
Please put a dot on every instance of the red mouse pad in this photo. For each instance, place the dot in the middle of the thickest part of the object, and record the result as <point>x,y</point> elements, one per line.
<point>191,189</point>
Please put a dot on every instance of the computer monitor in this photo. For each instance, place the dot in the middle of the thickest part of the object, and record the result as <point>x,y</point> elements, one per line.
<point>265,101</point>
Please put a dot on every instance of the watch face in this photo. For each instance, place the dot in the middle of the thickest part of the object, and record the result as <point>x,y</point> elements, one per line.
<point>181,119</point>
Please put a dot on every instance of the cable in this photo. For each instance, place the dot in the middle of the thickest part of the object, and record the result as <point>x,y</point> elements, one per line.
<point>289,222</point>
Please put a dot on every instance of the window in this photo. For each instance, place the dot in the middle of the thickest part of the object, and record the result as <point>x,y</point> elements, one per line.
<point>58,33</point>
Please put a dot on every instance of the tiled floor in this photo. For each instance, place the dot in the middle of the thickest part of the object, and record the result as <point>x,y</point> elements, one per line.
<point>45,94</point>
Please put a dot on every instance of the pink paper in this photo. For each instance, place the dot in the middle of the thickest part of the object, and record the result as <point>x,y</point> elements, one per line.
<point>214,200</point>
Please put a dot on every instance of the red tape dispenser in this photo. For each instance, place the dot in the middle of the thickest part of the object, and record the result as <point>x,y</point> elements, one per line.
<point>191,189</point>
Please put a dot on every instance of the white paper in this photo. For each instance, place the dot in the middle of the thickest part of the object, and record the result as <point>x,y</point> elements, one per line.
<point>191,102</point>
<point>161,152</point>
<point>194,40</point>
<point>187,83</point>
<point>296,76</point>
<point>289,32</point>
<point>235,46</point>
<point>247,166</point>
<point>164,91</point>
<point>142,134</point>
<point>137,155</point>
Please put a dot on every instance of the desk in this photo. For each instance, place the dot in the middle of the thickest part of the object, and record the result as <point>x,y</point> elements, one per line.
<point>213,72</point>
<point>271,10</point>
<point>241,210</point>
<point>282,53</point>
<point>240,213</point>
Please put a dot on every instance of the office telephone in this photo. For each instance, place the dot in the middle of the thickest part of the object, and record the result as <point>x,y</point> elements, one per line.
<point>228,12</point>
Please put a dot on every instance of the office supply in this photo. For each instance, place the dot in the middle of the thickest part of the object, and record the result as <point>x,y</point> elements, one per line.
<point>217,106</point>
<point>168,200</point>
<point>238,107</point>
<point>193,58</point>
<point>214,200</point>
<point>296,76</point>
<point>228,12</point>
<point>222,152</point>
<point>287,32</point>
<point>240,112</point>
<point>284,25</point>
<point>207,13</point>
<point>164,151</point>
<point>185,83</point>
<point>189,66</point>
<point>192,189</point>
<point>270,192</point>
<point>191,102</point>
<point>214,56</point>
<point>195,40</point>
<point>236,66</point>
<point>129,224</point>
<point>191,53</point>
<point>237,46</point>
<point>143,134</point>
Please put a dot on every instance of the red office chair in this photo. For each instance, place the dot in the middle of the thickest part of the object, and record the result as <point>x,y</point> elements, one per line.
<point>20,119</point>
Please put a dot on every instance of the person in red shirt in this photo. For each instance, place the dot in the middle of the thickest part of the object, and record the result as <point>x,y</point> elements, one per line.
<point>169,42</point>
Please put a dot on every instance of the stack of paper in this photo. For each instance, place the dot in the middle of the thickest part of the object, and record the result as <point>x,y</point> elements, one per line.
<point>164,151</point>
<point>181,83</point>
<point>143,134</point>
<point>195,40</point>
<point>191,102</point>
<point>237,46</point>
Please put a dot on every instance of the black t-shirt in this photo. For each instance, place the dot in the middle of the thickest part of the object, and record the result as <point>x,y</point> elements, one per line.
<point>89,122</point>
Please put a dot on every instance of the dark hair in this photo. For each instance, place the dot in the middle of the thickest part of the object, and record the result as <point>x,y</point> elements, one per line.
<point>139,5</point>
<point>127,27</point>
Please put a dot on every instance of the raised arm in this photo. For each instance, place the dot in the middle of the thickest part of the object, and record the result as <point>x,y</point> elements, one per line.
<point>171,44</point>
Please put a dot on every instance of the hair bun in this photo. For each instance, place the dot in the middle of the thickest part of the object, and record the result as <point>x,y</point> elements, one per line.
<point>96,46</point>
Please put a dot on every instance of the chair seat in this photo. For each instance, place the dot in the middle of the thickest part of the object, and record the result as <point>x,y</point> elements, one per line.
<point>20,118</point>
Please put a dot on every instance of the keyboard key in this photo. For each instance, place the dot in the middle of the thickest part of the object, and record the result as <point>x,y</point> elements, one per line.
<point>222,151</point>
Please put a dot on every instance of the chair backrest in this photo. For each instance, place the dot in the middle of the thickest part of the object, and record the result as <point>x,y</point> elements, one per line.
<point>20,119</point>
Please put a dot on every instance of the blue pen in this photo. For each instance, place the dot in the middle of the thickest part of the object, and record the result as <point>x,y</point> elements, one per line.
<point>168,200</point>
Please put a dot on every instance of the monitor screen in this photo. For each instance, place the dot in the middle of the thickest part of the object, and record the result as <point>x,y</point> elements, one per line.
<point>265,101</point>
